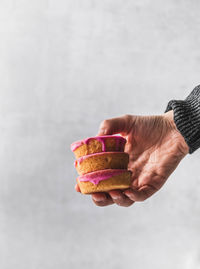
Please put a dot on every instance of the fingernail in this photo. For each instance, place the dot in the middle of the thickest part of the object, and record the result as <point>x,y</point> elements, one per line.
<point>127,193</point>
<point>115,197</point>
<point>99,199</point>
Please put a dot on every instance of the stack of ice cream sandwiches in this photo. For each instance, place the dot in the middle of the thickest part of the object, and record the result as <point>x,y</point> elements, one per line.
<point>101,164</point>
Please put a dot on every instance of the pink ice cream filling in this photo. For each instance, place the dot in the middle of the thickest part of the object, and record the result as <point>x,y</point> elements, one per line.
<point>96,177</point>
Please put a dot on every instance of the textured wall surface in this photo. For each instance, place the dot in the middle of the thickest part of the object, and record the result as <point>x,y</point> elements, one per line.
<point>65,65</point>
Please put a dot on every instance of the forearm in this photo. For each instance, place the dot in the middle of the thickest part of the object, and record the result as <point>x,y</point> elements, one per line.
<point>187,118</point>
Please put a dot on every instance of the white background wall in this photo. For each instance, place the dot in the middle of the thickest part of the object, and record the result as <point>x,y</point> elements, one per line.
<point>65,65</point>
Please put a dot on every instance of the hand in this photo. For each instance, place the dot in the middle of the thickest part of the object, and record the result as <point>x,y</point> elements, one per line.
<point>155,148</point>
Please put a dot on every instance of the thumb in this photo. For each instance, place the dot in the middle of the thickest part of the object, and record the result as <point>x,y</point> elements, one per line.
<point>120,125</point>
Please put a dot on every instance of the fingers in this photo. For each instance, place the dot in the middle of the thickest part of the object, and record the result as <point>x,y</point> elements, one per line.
<point>141,194</point>
<point>113,197</point>
<point>125,198</point>
<point>120,199</point>
<point>105,199</point>
<point>102,199</point>
<point>115,125</point>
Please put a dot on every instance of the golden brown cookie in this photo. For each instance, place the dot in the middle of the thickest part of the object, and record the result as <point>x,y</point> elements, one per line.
<point>101,161</point>
<point>104,181</point>
<point>108,143</point>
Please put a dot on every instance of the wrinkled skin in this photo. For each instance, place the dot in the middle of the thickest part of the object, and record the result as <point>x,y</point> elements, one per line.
<point>155,148</point>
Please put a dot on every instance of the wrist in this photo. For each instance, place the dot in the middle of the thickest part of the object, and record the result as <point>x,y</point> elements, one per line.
<point>169,116</point>
<point>182,145</point>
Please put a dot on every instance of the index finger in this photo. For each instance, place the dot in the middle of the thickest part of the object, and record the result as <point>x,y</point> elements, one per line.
<point>119,125</point>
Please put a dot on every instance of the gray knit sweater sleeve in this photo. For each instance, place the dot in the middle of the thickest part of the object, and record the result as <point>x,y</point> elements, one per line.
<point>187,118</point>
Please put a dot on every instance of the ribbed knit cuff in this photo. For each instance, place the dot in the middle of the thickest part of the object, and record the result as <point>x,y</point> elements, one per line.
<point>187,118</point>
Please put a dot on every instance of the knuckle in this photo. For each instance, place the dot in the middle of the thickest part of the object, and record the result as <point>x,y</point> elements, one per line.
<point>127,117</point>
